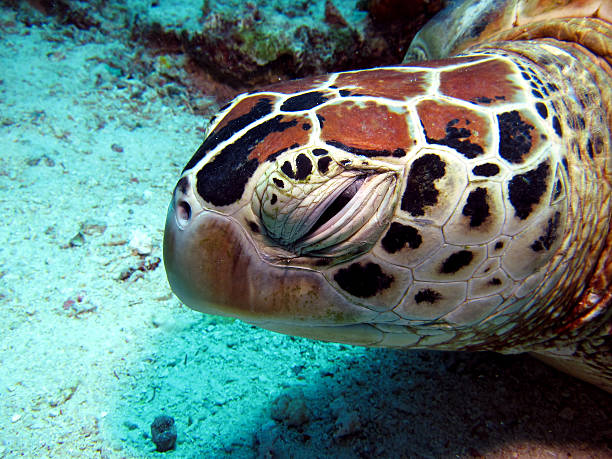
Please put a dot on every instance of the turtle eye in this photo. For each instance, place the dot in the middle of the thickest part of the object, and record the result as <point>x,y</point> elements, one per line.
<point>352,219</point>
<point>334,216</point>
<point>337,205</point>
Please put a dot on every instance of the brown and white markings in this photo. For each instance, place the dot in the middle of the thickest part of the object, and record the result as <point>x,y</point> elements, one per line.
<point>462,203</point>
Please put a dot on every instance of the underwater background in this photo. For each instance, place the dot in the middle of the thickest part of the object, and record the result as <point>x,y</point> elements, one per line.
<point>102,103</point>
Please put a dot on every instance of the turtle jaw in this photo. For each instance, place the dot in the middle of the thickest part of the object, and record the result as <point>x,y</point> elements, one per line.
<point>213,266</point>
<point>357,334</point>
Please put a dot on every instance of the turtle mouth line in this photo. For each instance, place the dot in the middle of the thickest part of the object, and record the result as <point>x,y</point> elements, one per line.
<point>358,334</point>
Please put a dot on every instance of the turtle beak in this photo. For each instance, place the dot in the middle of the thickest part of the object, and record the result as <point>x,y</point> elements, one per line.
<point>178,244</point>
<point>203,257</point>
<point>213,266</point>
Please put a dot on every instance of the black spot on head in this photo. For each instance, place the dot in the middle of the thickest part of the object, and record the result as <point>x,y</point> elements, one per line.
<point>304,101</point>
<point>261,109</point>
<point>344,92</point>
<point>420,187</point>
<point>398,236</point>
<point>253,227</point>
<point>453,139</point>
<point>306,126</point>
<point>482,100</point>
<point>427,295</point>
<point>287,169</point>
<point>542,110</point>
<point>546,240</point>
<point>273,199</point>
<point>495,281</point>
<point>477,207</point>
<point>319,151</point>
<point>278,182</point>
<point>499,245</point>
<point>222,180</point>
<point>557,126</point>
<point>525,190</point>
<point>363,281</point>
<point>514,137</point>
<point>486,170</point>
<point>304,166</point>
<point>323,164</point>
<point>456,261</point>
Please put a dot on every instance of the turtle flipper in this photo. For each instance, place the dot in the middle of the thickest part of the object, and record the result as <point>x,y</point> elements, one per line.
<point>590,361</point>
<point>459,25</point>
<point>466,22</point>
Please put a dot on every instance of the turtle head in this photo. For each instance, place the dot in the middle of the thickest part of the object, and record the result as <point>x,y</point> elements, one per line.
<point>261,216</point>
<point>366,208</point>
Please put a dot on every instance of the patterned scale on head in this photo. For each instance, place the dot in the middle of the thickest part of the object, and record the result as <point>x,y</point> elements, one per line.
<point>458,203</point>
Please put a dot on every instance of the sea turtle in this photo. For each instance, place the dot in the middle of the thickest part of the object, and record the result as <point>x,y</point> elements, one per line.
<point>461,203</point>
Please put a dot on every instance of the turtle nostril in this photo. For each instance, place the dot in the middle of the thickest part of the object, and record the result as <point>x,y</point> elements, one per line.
<point>183,212</point>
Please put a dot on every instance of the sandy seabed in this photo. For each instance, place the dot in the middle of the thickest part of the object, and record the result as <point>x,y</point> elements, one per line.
<point>93,346</point>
